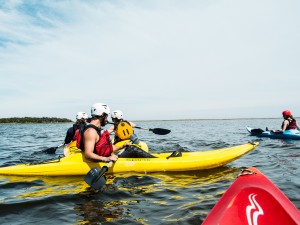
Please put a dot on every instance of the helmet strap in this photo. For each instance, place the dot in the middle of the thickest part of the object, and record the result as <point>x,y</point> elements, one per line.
<point>102,119</point>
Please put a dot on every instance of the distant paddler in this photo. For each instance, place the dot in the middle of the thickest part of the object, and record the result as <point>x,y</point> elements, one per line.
<point>81,118</point>
<point>72,132</point>
<point>289,122</point>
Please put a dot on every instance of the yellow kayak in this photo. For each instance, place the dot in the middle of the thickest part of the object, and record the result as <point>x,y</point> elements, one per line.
<point>77,164</point>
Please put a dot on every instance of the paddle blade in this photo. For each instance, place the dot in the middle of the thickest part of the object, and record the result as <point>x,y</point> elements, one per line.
<point>160,131</point>
<point>50,150</point>
<point>256,131</point>
<point>95,177</point>
<point>99,184</point>
<point>92,175</point>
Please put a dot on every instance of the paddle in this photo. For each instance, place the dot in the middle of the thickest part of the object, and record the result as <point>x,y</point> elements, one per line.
<point>52,150</point>
<point>257,131</point>
<point>95,177</point>
<point>160,131</point>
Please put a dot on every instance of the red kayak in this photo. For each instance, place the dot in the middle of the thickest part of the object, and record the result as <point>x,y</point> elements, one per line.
<point>253,199</point>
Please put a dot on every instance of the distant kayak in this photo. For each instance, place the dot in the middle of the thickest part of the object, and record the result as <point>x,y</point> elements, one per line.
<point>288,134</point>
<point>253,199</point>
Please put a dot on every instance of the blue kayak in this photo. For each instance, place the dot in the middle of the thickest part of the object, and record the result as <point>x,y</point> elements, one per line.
<point>288,134</point>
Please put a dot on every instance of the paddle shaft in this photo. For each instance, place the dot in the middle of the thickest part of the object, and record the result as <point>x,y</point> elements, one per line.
<point>142,128</point>
<point>103,170</point>
<point>60,145</point>
<point>160,131</point>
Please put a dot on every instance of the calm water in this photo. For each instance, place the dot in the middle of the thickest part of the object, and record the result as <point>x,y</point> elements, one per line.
<point>158,198</point>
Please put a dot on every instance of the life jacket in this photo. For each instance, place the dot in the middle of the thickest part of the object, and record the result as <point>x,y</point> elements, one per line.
<point>291,126</point>
<point>71,133</point>
<point>123,131</point>
<point>103,147</point>
<point>78,130</point>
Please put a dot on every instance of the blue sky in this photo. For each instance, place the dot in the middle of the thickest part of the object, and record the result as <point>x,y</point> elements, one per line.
<point>150,59</point>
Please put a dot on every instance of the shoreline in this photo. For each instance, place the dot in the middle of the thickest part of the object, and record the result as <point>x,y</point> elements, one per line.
<point>34,120</point>
<point>48,120</point>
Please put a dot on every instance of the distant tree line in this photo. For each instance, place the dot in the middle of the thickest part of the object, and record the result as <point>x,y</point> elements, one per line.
<point>34,120</point>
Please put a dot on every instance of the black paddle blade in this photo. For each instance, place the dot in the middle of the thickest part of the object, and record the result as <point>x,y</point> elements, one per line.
<point>257,131</point>
<point>95,177</point>
<point>92,175</point>
<point>50,150</point>
<point>99,184</point>
<point>160,131</point>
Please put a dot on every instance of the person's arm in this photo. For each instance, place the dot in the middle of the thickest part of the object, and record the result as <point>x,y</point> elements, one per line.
<point>298,127</point>
<point>285,124</point>
<point>117,148</point>
<point>90,139</point>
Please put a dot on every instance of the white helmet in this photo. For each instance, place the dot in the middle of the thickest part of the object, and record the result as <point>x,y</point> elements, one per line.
<point>117,114</point>
<point>98,109</point>
<point>81,115</point>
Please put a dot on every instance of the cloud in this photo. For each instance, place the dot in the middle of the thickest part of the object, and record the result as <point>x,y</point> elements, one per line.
<point>151,59</point>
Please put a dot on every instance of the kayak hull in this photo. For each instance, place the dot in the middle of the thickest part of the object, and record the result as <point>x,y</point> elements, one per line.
<point>288,134</point>
<point>253,199</point>
<point>77,164</point>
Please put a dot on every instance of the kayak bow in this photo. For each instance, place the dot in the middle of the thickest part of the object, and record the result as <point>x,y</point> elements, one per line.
<point>253,199</point>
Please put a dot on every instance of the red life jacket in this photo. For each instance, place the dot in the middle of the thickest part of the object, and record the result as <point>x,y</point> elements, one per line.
<point>76,135</point>
<point>291,126</point>
<point>78,129</point>
<point>103,147</point>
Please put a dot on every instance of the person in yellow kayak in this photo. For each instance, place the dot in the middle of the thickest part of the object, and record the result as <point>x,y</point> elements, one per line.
<point>94,141</point>
<point>289,123</point>
<point>81,118</point>
<point>123,129</point>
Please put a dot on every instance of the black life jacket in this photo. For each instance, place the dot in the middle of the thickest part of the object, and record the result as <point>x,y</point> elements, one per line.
<point>70,133</point>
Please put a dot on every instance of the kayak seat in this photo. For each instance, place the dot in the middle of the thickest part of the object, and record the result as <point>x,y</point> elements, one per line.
<point>135,152</point>
<point>175,154</point>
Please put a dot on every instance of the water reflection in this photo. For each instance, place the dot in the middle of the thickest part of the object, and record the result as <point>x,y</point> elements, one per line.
<point>26,188</point>
<point>153,193</point>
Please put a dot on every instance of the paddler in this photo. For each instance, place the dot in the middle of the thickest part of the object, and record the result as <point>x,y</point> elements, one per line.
<point>289,123</point>
<point>95,141</point>
<point>123,129</point>
<point>81,118</point>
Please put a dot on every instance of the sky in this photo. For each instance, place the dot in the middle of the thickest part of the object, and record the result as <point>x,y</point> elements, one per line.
<point>152,59</point>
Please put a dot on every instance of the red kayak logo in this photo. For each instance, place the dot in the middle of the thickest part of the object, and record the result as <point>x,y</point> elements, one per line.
<point>253,210</point>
